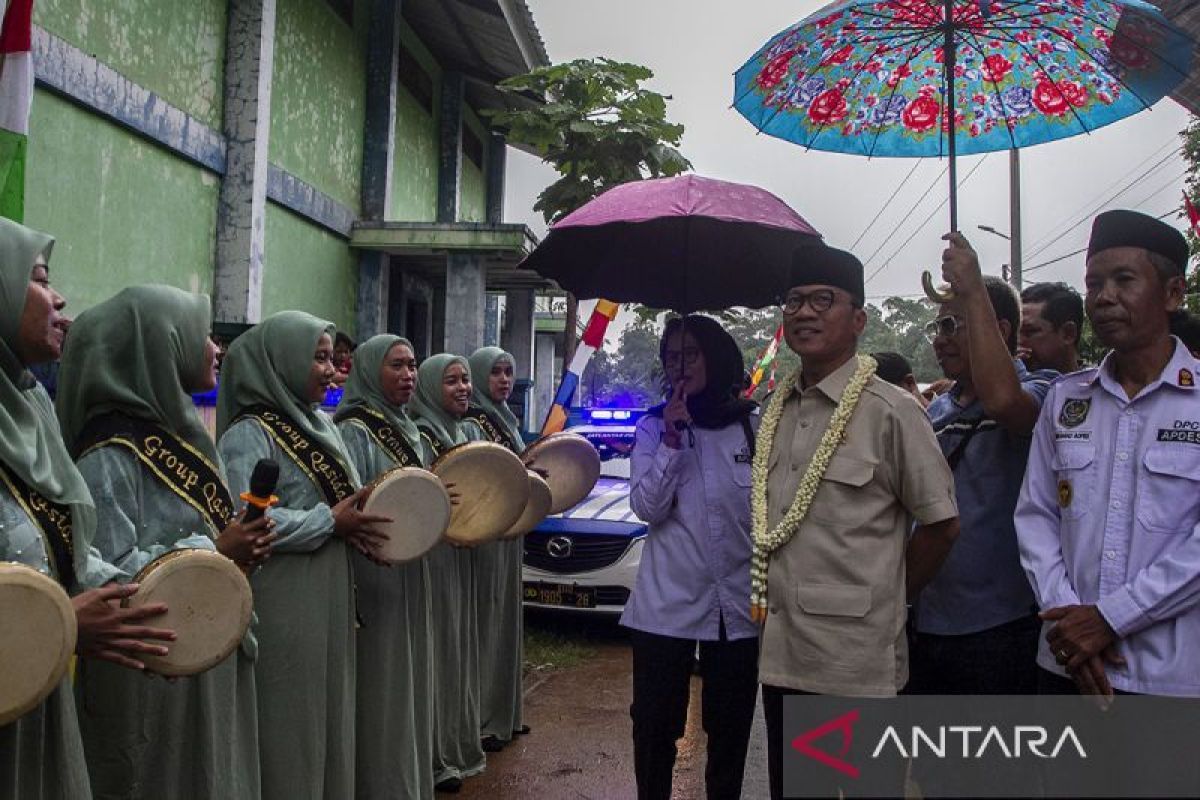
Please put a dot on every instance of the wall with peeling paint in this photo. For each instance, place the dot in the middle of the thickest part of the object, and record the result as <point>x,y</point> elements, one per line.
<point>472,201</point>
<point>124,210</point>
<point>318,106</point>
<point>176,49</point>
<point>318,98</point>
<point>308,268</point>
<point>415,161</point>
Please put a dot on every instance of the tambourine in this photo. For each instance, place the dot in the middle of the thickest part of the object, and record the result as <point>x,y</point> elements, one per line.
<point>570,465</point>
<point>493,489</point>
<point>419,507</point>
<point>536,509</point>
<point>209,604</point>
<point>37,638</point>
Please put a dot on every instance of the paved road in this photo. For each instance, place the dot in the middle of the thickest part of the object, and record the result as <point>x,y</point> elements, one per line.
<point>581,747</point>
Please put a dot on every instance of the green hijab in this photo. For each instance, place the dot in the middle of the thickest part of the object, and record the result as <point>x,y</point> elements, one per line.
<point>139,353</point>
<point>31,445</point>
<point>269,365</point>
<point>427,400</point>
<point>482,361</point>
<point>363,388</point>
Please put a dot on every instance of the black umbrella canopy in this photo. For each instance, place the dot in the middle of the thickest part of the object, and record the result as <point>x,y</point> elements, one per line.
<point>687,244</point>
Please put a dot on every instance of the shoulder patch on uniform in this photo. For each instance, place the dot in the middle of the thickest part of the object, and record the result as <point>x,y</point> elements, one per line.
<point>1074,412</point>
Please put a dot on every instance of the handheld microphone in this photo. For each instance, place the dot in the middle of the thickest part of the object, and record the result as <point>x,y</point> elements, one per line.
<point>262,489</point>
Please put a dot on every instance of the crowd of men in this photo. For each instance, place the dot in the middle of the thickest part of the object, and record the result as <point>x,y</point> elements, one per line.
<point>1056,546</point>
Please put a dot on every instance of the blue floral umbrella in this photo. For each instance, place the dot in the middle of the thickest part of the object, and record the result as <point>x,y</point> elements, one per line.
<point>885,77</point>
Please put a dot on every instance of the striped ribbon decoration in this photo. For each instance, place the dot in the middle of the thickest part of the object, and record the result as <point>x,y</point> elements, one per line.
<point>592,340</point>
<point>765,361</point>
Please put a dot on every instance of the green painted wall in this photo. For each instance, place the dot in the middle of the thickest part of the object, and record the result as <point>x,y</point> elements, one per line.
<point>318,98</point>
<point>124,211</point>
<point>472,201</point>
<point>415,161</point>
<point>309,269</point>
<point>175,48</point>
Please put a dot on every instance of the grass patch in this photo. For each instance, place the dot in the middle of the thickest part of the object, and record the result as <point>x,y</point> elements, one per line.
<point>549,650</point>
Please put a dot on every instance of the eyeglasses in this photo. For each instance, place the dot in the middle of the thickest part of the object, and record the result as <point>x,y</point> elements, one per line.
<point>947,326</point>
<point>820,301</point>
<point>689,356</point>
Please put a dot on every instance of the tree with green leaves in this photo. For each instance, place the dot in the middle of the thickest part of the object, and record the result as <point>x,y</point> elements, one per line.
<point>598,127</point>
<point>1191,157</point>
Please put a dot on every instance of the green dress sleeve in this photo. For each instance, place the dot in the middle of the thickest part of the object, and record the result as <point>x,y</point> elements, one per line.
<point>130,510</point>
<point>299,530</point>
<point>370,460</point>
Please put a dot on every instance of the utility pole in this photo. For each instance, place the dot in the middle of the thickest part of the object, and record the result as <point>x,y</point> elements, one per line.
<point>1014,176</point>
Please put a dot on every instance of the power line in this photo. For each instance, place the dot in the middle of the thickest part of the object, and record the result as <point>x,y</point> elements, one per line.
<point>1045,264</point>
<point>867,229</point>
<point>1099,207</point>
<point>921,227</point>
<point>1113,185</point>
<point>907,216</point>
<point>1173,182</point>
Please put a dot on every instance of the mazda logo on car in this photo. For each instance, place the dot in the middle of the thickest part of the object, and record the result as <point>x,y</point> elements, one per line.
<point>559,547</point>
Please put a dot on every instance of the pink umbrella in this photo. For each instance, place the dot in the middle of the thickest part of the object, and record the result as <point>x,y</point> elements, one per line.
<point>685,243</point>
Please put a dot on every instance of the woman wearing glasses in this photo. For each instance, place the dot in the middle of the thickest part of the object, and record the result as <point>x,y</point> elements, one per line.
<point>691,483</point>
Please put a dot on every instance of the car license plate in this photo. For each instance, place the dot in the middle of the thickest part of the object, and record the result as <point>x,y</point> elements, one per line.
<point>560,594</point>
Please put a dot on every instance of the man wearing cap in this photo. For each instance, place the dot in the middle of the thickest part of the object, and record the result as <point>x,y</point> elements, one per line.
<point>834,566</point>
<point>1109,515</point>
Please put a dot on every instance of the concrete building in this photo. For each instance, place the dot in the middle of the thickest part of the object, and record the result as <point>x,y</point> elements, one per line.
<point>323,155</point>
<point>1186,14</point>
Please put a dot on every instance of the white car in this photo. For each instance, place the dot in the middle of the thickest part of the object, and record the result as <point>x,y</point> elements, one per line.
<point>586,559</point>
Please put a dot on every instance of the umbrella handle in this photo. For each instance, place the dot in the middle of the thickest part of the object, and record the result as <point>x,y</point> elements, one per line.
<point>942,294</point>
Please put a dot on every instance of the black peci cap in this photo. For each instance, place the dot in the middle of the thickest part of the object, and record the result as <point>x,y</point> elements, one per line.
<point>1133,229</point>
<point>821,264</point>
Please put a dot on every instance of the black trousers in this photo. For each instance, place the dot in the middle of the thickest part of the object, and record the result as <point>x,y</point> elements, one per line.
<point>662,671</point>
<point>999,660</point>
<point>823,783</point>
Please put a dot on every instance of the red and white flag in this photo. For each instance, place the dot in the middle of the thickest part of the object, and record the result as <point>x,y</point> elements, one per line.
<point>1193,214</point>
<point>16,98</point>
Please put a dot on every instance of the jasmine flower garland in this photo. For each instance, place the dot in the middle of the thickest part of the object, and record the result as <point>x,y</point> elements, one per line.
<point>767,542</point>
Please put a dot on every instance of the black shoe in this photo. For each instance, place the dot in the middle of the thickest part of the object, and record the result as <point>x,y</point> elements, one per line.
<point>491,744</point>
<point>449,786</point>
<point>524,730</point>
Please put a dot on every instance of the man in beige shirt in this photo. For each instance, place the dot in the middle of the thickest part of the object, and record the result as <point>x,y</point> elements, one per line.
<point>837,590</point>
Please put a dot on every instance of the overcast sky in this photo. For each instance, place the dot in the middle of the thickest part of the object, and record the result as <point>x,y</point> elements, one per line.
<point>694,46</point>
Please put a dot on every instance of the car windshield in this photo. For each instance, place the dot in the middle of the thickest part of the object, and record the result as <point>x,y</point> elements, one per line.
<point>614,446</point>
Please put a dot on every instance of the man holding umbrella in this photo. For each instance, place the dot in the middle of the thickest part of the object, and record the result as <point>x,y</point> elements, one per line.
<point>844,465</point>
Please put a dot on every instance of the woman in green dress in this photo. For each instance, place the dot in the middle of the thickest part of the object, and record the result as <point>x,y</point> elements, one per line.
<point>272,380</point>
<point>498,564</point>
<point>41,754</point>
<point>395,644</point>
<point>124,404</point>
<point>441,400</point>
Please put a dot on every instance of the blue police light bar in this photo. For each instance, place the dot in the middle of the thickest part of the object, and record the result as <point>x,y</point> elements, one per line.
<point>602,415</point>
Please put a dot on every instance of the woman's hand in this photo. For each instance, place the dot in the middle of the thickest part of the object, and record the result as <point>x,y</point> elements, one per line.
<point>247,544</point>
<point>676,412</point>
<point>112,633</point>
<point>357,528</point>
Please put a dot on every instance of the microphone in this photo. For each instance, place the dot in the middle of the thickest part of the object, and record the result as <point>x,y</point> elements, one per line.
<point>262,489</point>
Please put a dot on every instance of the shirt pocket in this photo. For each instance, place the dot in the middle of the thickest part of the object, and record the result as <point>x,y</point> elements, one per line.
<point>1168,492</point>
<point>832,623</point>
<point>843,491</point>
<point>1075,474</point>
<point>740,473</point>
